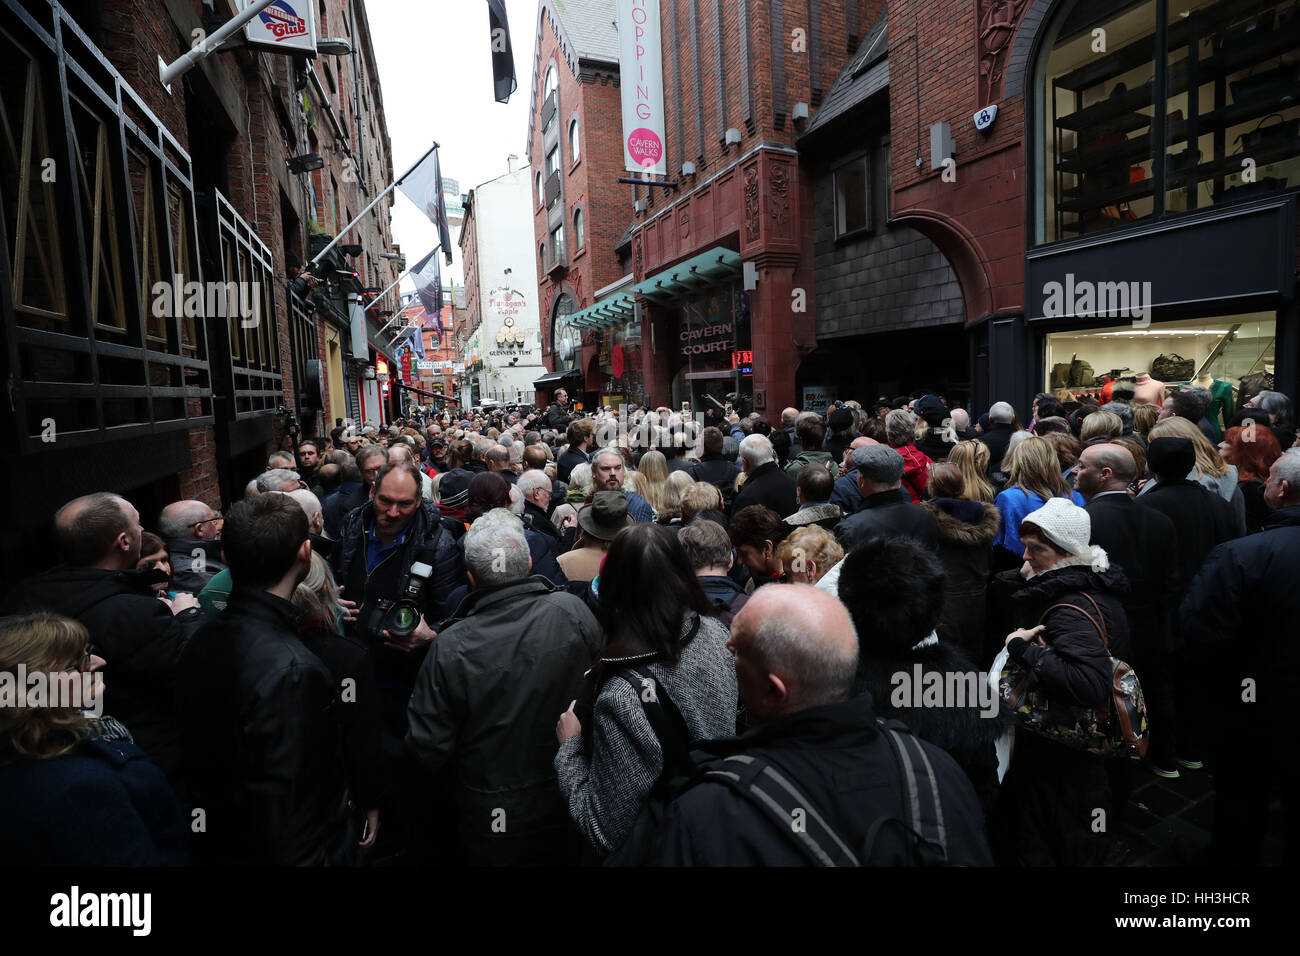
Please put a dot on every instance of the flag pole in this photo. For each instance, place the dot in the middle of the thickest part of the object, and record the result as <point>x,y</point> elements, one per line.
<point>374,202</point>
<point>381,295</point>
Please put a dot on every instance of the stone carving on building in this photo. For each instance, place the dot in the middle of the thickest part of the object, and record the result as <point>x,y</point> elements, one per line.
<point>751,203</point>
<point>779,201</point>
<point>996,24</point>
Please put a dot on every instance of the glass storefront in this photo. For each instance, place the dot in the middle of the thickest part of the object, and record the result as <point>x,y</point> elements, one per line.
<point>622,372</point>
<point>1216,352</point>
<point>1218,105</point>
<point>715,356</point>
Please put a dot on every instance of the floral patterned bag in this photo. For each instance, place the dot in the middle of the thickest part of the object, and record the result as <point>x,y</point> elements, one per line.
<point>1120,729</point>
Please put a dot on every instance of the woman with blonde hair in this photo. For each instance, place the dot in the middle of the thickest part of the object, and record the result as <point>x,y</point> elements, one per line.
<point>651,478</point>
<point>1033,477</point>
<point>809,553</point>
<point>77,790</point>
<point>676,486</point>
<point>1144,419</point>
<point>1211,471</point>
<point>972,457</point>
<point>1101,424</point>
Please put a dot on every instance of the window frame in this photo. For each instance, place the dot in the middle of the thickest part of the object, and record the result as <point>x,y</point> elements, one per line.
<point>862,158</point>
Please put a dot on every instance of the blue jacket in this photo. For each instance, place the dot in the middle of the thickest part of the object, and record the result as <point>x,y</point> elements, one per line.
<point>103,804</point>
<point>1014,505</point>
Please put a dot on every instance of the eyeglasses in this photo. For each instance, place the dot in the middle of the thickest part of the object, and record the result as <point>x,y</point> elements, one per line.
<point>84,661</point>
<point>207,521</point>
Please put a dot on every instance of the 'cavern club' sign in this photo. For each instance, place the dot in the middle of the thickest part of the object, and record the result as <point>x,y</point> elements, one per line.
<point>286,26</point>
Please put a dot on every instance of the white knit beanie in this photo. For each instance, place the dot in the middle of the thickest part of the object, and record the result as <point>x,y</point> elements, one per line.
<point>1068,527</point>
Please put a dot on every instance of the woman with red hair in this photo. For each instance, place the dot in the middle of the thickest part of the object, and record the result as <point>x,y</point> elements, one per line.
<point>1253,450</point>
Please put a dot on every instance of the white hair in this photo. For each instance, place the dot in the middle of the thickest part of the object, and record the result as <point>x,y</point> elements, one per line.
<point>580,478</point>
<point>1002,412</point>
<point>496,551</point>
<point>308,501</point>
<point>276,479</point>
<point>516,501</point>
<point>1288,470</point>
<point>531,480</point>
<point>817,670</point>
<point>1015,439</point>
<point>960,419</point>
<point>178,520</point>
<point>250,489</point>
<point>757,450</point>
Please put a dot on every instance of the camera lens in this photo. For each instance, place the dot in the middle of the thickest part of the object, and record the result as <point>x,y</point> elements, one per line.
<point>404,617</point>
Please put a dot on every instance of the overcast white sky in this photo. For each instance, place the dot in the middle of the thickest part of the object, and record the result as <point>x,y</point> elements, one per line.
<point>435,75</point>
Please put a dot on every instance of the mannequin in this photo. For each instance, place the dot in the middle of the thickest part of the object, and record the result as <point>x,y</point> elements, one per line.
<point>1222,403</point>
<point>1148,391</point>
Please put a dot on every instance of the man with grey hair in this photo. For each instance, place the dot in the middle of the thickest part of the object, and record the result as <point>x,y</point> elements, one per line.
<point>796,660</point>
<point>886,508</point>
<point>498,460</point>
<point>192,531</point>
<point>278,479</point>
<point>608,474</point>
<point>535,488</point>
<point>1002,418</point>
<point>281,459</point>
<point>789,418</point>
<point>1238,620</point>
<point>960,424</point>
<point>765,483</point>
<point>514,650</point>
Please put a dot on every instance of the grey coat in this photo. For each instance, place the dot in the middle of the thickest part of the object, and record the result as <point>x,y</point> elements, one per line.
<point>605,793</point>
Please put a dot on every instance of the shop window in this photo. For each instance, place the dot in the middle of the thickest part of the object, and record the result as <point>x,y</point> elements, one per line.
<point>579,236</point>
<point>1219,349</point>
<point>852,197</point>
<point>573,141</point>
<point>1130,132</point>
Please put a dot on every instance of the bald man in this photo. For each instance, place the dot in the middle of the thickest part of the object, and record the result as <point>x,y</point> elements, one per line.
<point>192,531</point>
<point>1143,543</point>
<point>846,492</point>
<point>139,636</point>
<point>806,785</point>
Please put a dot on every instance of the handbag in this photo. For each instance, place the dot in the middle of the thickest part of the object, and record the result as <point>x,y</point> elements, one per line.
<point>1172,368</point>
<point>1119,728</point>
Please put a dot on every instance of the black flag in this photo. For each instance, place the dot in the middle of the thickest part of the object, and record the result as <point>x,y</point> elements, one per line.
<point>503,55</point>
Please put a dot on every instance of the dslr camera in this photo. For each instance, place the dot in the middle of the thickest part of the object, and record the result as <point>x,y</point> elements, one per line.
<point>400,617</point>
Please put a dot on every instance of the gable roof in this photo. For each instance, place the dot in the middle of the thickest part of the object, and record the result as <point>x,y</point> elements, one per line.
<point>587,31</point>
<point>866,74</point>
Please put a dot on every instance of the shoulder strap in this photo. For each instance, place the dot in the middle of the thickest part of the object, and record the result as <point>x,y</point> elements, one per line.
<point>666,721</point>
<point>920,794</point>
<point>1099,625</point>
<point>790,811</point>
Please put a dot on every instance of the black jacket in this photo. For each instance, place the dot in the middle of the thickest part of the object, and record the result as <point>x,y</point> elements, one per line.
<point>966,530</point>
<point>569,459</point>
<point>1074,666</point>
<point>966,733</point>
<point>535,518</point>
<point>888,513</point>
<point>718,472</point>
<point>336,507</point>
<point>1144,545</point>
<point>1201,519</point>
<point>1239,621</point>
<point>558,417</point>
<point>263,745</point>
<point>139,638</point>
<point>846,493</point>
<point>103,804</point>
<point>997,438</point>
<point>503,667</point>
<point>767,485</point>
<point>834,754</point>
<point>194,563</point>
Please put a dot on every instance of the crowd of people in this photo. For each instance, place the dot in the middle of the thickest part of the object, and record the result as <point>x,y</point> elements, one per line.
<point>531,636</point>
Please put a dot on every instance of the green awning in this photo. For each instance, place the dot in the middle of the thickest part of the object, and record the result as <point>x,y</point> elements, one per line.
<point>616,309</point>
<point>695,274</point>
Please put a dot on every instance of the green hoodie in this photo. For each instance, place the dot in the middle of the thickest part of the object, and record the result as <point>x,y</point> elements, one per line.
<point>810,457</point>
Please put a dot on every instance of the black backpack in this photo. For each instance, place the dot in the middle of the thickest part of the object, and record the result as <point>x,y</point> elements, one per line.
<point>775,795</point>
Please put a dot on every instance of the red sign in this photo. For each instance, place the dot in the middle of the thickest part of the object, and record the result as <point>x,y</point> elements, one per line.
<point>406,367</point>
<point>743,359</point>
<point>616,361</point>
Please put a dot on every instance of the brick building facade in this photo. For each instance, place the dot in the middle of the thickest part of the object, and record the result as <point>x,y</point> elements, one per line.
<point>576,116</point>
<point>156,403</point>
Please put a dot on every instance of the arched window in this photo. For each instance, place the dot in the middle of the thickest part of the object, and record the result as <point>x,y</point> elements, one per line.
<point>552,81</point>
<point>579,233</point>
<point>566,338</point>
<point>573,141</point>
<point>541,258</point>
<point>539,187</point>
